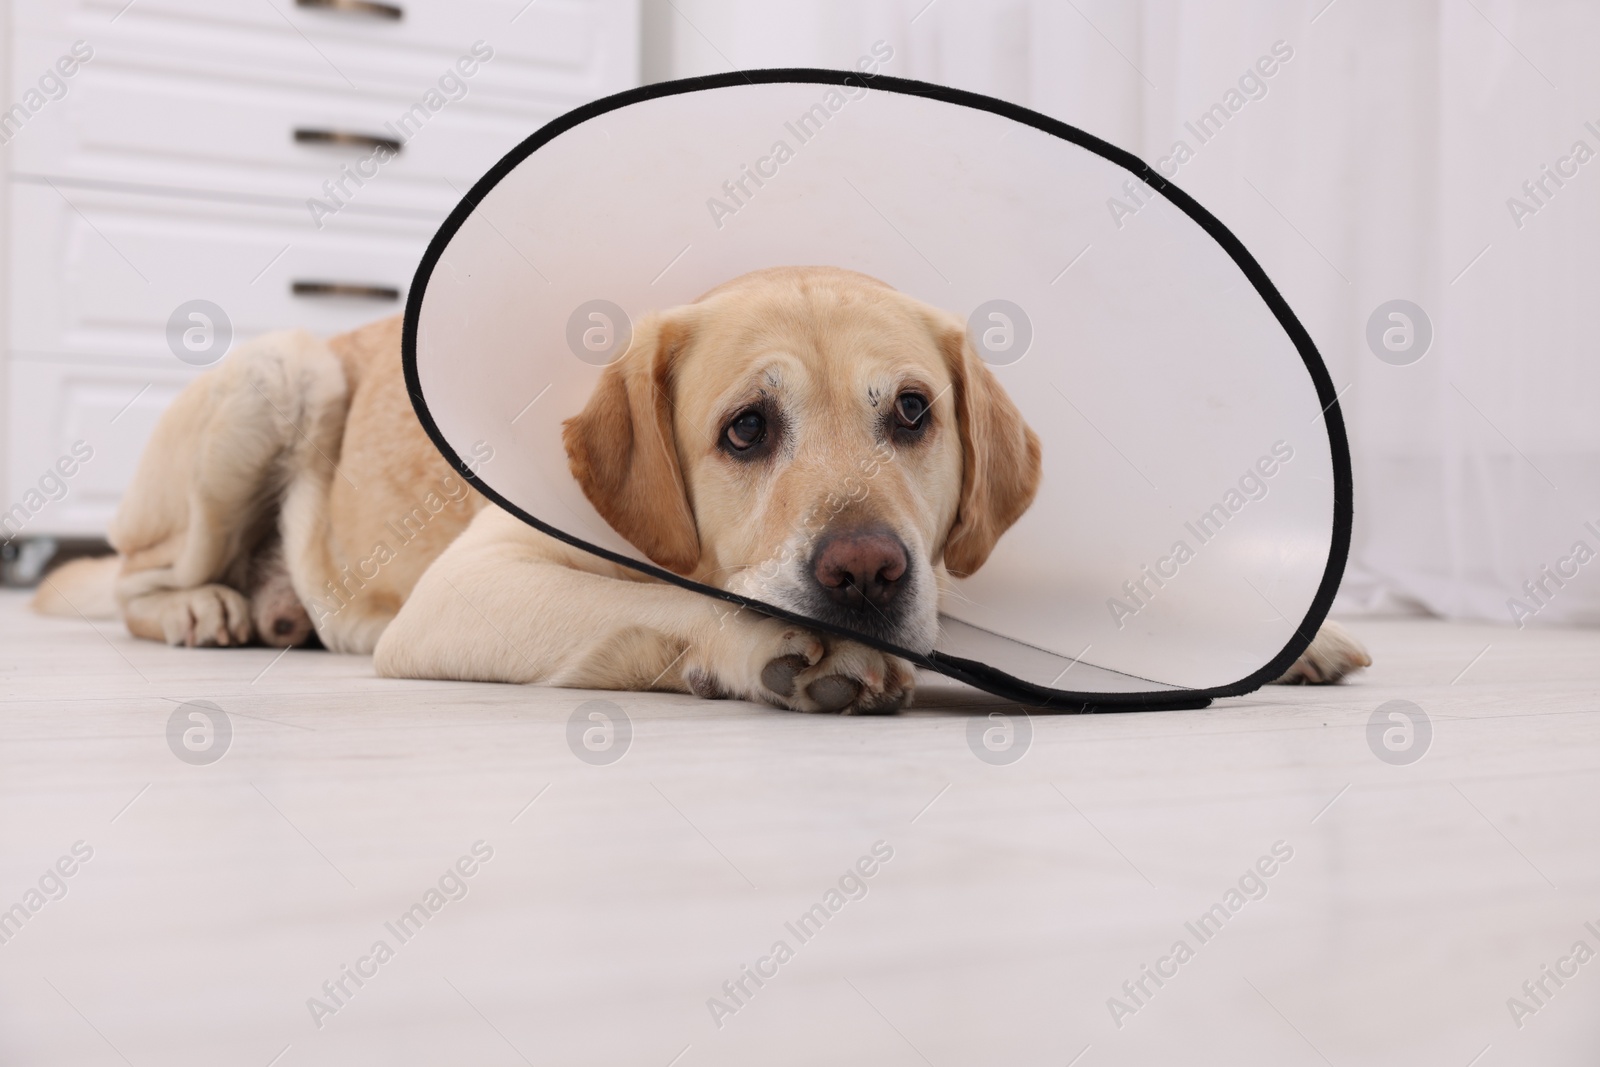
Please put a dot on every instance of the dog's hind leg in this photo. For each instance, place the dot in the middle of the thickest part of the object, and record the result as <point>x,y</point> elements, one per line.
<point>211,478</point>
<point>205,615</point>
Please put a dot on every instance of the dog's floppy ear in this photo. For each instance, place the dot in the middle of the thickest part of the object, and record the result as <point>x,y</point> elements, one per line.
<point>622,450</point>
<point>1000,458</point>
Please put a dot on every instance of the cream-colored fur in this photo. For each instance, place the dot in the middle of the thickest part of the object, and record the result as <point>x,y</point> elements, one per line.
<point>256,432</point>
<point>312,446</point>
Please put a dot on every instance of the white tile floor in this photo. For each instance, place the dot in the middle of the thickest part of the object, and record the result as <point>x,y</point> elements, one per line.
<point>219,898</point>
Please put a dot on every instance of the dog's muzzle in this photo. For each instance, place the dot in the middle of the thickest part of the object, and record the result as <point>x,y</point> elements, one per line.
<point>862,578</point>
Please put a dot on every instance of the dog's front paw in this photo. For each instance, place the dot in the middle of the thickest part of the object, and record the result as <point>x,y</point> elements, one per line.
<point>204,616</point>
<point>1332,654</point>
<point>846,677</point>
<point>796,669</point>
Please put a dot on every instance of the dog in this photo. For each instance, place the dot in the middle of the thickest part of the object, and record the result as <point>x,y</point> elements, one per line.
<point>290,494</point>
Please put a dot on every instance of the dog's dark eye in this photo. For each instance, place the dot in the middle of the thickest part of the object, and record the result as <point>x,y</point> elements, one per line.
<point>910,411</point>
<point>748,429</point>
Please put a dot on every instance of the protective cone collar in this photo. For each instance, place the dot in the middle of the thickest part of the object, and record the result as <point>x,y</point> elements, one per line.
<point>1194,515</point>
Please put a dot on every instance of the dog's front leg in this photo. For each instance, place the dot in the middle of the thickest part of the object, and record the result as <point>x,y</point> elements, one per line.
<point>505,603</point>
<point>1332,654</point>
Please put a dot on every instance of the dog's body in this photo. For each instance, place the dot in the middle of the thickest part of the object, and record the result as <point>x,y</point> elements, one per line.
<point>292,488</point>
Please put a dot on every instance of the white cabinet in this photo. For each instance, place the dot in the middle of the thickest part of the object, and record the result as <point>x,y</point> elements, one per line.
<point>224,150</point>
<point>97,271</point>
<point>110,408</point>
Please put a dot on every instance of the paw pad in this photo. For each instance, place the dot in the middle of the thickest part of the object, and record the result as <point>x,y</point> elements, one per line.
<point>779,674</point>
<point>834,692</point>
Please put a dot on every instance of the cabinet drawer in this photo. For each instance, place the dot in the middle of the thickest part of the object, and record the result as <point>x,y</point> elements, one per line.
<point>157,129</point>
<point>111,409</point>
<point>98,273</point>
<point>570,49</point>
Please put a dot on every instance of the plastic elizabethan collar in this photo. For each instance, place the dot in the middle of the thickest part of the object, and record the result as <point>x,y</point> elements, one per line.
<point>1194,516</point>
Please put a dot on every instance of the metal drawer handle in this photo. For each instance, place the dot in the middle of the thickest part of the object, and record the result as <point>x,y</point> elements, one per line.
<point>365,292</point>
<point>303,135</point>
<point>356,7</point>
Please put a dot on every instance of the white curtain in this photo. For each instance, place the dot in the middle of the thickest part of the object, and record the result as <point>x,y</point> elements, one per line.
<point>1384,159</point>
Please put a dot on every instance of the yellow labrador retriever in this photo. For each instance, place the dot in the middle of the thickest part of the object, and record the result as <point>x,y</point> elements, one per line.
<point>292,490</point>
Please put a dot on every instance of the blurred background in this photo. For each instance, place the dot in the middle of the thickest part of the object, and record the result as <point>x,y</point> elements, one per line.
<point>1415,178</point>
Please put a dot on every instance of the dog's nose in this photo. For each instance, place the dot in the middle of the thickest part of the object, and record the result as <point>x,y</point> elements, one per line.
<point>860,567</point>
